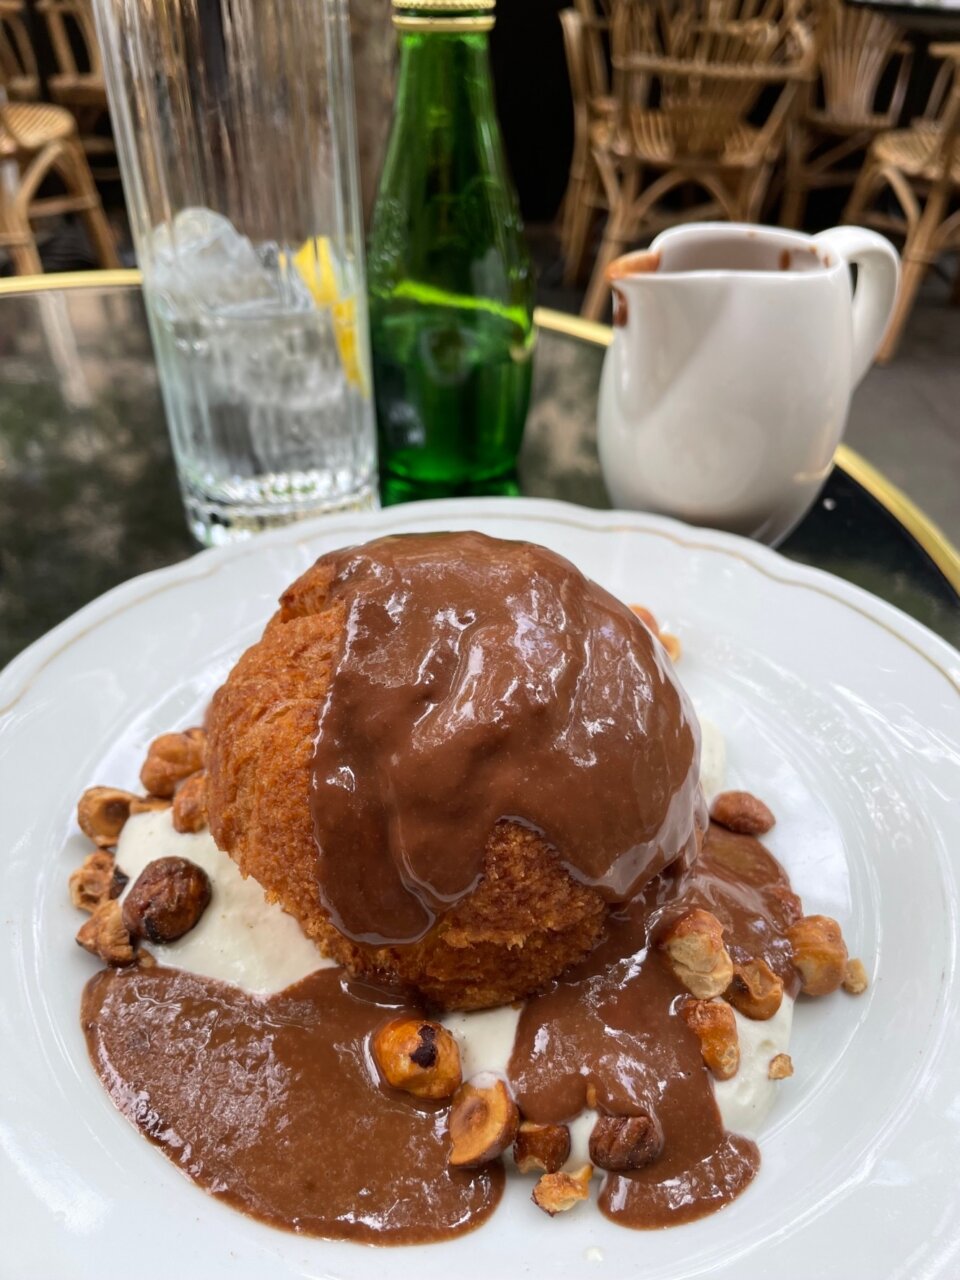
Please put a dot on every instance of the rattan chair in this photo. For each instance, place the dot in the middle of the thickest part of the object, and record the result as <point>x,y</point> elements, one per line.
<point>585,37</point>
<point>858,51</point>
<point>37,140</point>
<point>921,167</point>
<point>18,62</point>
<point>690,81</point>
<point>78,82</point>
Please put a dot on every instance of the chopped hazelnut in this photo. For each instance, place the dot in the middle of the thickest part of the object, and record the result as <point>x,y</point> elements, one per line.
<point>781,1067</point>
<point>542,1148</point>
<point>646,617</point>
<point>105,935</point>
<point>171,759</point>
<point>148,804</point>
<point>672,645</point>
<point>483,1122</point>
<point>97,880</point>
<point>714,1025</point>
<point>418,1056</point>
<point>741,812</point>
<point>819,954</point>
<point>700,961</point>
<point>101,813</point>
<point>755,991</point>
<point>190,804</point>
<point>855,978</point>
<point>620,1144</point>
<point>558,1192</point>
<point>167,899</point>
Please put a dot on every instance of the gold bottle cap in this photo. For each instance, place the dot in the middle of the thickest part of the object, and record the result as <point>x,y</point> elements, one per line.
<point>455,17</point>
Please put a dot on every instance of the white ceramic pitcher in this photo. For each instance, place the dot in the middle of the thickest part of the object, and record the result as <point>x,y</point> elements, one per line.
<point>736,349</point>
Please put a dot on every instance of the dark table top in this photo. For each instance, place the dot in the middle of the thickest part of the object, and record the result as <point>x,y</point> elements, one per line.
<point>88,493</point>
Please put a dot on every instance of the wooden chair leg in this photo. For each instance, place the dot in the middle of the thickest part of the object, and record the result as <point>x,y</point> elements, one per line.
<point>955,291</point>
<point>581,220</point>
<point>862,191</point>
<point>794,205</point>
<point>914,269</point>
<point>616,237</point>
<point>75,171</point>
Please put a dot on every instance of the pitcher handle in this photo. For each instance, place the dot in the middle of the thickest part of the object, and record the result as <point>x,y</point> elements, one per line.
<point>878,278</point>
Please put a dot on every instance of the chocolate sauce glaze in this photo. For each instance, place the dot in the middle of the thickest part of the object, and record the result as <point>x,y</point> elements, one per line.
<point>479,680</point>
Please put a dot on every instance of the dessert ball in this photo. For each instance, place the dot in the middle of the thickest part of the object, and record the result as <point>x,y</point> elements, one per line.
<point>450,757</point>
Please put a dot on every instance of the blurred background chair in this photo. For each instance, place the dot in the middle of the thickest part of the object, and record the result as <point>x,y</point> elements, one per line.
<point>586,37</point>
<point>18,62</point>
<point>863,68</point>
<point>77,81</point>
<point>39,141</point>
<point>704,94</point>
<point>920,166</point>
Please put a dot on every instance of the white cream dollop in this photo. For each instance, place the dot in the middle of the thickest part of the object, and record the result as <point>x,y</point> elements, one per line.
<point>241,937</point>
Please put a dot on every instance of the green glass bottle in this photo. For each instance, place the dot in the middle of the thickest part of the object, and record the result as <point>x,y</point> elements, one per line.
<point>450,281</point>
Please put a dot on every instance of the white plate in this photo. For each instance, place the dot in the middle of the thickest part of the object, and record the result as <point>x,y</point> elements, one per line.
<point>840,711</point>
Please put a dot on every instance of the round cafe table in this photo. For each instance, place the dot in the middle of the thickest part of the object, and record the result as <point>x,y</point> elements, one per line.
<point>88,493</point>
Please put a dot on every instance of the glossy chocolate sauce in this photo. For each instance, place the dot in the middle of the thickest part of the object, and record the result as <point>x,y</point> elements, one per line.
<point>608,1032</point>
<point>481,680</point>
<point>271,1105</point>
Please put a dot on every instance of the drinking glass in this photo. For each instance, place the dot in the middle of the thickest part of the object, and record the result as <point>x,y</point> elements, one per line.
<point>234,122</point>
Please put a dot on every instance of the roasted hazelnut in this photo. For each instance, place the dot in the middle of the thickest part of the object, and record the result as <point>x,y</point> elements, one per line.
<point>101,813</point>
<point>96,881</point>
<point>672,645</point>
<point>171,759</point>
<point>190,804</point>
<point>741,812</point>
<point>819,954</point>
<point>167,899</point>
<point>755,991</point>
<point>620,1144</point>
<point>558,1192</point>
<point>714,1025</point>
<point>418,1056</point>
<point>541,1148</point>
<point>105,935</point>
<point>855,978</point>
<point>781,1067</point>
<point>700,961</point>
<point>483,1122</point>
<point>646,617</point>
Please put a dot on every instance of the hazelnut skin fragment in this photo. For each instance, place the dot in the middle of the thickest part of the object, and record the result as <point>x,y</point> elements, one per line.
<point>700,961</point>
<point>190,804</point>
<point>741,812</point>
<point>621,1144</point>
<point>781,1067</point>
<point>102,812</point>
<point>418,1056</point>
<point>755,991</point>
<point>558,1192</point>
<point>171,759</point>
<point>147,804</point>
<point>483,1122</point>
<point>106,936</point>
<point>167,899</point>
<point>97,880</point>
<point>541,1148</point>
<point>672,645</point>
<point>646,617</point>
<point>819,954</point>
<point>714,1025</point>
<point>855,979</point>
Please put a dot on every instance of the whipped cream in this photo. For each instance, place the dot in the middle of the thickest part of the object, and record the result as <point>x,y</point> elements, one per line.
<point>241,937</point>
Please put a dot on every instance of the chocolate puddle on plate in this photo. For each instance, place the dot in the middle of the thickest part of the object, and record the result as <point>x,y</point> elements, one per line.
<point>271,1103</point>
